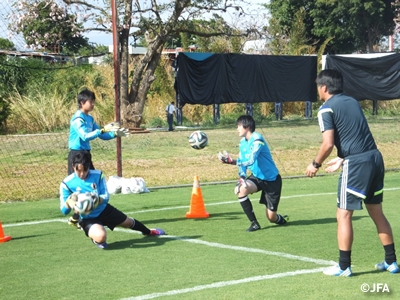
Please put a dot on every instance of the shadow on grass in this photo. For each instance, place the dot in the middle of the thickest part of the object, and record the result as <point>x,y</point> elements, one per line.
<point>29,236</point>
<point>366,272</point>
<point>213,216</point>
<point>144,242</point>
<point>316,221</point>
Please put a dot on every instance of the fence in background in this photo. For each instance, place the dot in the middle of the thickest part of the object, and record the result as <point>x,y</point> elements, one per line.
<point>32,166</point>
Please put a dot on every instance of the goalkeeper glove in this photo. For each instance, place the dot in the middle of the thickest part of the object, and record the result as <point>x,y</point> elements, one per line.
<point>113,126</point>
<point>225,158</point>
<point>121,132</point>
<point>71,200</point>
<point>96,199</point>
<point>241,181</point>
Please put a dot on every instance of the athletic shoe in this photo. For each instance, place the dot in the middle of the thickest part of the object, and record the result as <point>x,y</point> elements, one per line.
<point>392,268</point>
<point>253,227</point>
<point>74,222</point>
<point>286,218</point>
<point>101,246</point>
<point>337,271</point>
<point>156,232</point>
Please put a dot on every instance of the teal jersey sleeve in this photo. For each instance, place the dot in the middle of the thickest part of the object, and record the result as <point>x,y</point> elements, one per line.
<point>84,129</point>
<point>64,194</point>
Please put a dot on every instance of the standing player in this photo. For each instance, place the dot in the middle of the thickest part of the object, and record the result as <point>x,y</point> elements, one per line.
<point>256,156</point>
<point>86,180</point>
<point>170,111</point>
<point>83,129</point>
<point>343,125</point>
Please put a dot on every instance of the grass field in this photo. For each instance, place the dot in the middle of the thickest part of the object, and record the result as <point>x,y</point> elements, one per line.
<point>213,258</point>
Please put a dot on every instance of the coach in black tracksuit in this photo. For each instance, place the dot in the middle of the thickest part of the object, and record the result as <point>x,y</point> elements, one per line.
<point>343,125</point>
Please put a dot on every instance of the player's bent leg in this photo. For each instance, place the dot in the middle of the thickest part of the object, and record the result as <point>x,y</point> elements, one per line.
<point>97,233</point>
<point>382,224</point>
<point>386,237</point>
<point>247,207</point>
<point>139,226</point>
<point>276,218</point>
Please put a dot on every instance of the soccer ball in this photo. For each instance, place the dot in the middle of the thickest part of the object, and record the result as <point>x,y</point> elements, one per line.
<point>198,140</point>
<point>84,204</point>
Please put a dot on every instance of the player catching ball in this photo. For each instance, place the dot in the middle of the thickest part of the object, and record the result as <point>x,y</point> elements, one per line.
<point>85,180</point>
<point>255,156</point>
<point>83,129</point>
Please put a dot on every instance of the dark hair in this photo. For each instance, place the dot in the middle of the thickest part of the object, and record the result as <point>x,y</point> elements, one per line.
<point>332,79</point>
<point>247,121</point>
<point>82,158</point>
<point>84,96</point>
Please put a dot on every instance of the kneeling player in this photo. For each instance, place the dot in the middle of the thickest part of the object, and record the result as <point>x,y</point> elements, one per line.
<point>256,156</point>
<point>85,180</point>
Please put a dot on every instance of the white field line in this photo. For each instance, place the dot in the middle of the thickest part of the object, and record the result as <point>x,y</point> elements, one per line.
<point>224,283</point>
<point>200,242</point>
<point>239,248</point>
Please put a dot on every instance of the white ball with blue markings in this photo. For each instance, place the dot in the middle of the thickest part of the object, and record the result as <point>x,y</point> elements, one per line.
<point>198,140</point>
<point>84,204</point>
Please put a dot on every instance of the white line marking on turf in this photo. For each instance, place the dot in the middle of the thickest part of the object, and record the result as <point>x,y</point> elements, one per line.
<point>239,248</point>
<point>36,222</point>
<point>224,284</point>
<point>196,241</point>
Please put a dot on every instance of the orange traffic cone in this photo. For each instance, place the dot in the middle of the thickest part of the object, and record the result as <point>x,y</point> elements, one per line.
<point>2,237</point>
<point>197,209</point>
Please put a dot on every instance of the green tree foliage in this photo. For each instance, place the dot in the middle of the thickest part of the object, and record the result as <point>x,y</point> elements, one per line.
<point>6,44</point>
<point>291,40</point>
<point>356,25</point>
<point>20,75</point>
<point>93,50</point>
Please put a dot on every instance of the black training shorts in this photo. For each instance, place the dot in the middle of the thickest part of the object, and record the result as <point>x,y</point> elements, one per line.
<point>110,217</point>
<point>271,191</point>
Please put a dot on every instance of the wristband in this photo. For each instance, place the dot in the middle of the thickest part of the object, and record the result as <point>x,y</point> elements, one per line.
<point>315,164</point>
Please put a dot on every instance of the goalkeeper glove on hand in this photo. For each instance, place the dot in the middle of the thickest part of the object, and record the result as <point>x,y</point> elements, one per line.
<point>113,126</point>
<point>71,200</point>
<point>241,181</point>
<point>96,199</point>
<point>225,158</point>
<point>121,132</point>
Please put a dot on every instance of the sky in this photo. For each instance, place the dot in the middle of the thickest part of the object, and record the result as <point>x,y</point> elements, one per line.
<point>94,36</point>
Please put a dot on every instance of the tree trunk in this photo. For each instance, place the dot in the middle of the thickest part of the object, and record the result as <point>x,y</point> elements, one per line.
<point>124,77</point>
<point>142,79</point>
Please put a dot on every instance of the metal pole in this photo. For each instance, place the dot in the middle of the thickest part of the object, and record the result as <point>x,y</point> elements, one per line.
<point>116,82</point>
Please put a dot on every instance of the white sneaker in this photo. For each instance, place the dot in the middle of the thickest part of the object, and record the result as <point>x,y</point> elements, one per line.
<point>337,271</point>
<point>392,268</point>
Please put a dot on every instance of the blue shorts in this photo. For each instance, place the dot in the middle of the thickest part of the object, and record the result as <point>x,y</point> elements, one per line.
<point>361,180</point>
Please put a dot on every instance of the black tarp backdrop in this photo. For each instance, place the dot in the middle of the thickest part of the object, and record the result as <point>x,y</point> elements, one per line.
<point>368,78</point>
<point>206,78</point>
